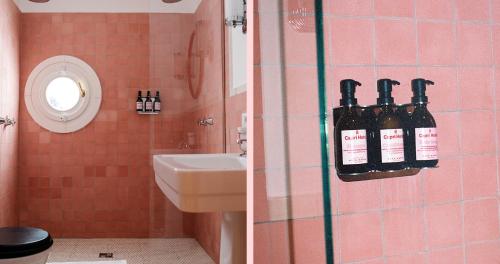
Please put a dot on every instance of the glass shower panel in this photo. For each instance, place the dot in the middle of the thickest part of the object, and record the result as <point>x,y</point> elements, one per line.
<point>289,163</point>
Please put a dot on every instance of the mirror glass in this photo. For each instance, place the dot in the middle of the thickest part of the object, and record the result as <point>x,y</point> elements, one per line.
<point>62,93</point>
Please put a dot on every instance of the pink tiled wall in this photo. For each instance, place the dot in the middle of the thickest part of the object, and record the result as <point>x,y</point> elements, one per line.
<point>9,98</point>
<point>170,36</point>
<point>444,215</point>
<point>98,181</point>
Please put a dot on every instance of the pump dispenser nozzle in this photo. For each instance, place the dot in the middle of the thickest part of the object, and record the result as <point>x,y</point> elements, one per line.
<point>418,86</point>
<point>384,88</point>
<point>348,88</point>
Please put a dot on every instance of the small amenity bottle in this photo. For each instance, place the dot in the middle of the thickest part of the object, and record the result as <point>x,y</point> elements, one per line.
<point>351,133</point>
<point>157,103</point>
<point>148,103</point>
<point>423,150</point>
<point>139,104</point>
<point>389,131</point>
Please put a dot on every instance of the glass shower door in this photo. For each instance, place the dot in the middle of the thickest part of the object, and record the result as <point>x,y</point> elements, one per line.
<point>291,178</point>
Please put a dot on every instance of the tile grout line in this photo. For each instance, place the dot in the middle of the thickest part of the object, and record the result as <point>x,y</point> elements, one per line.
<point>392,209</point>
<point>459,123</point>
<point>494,86</point>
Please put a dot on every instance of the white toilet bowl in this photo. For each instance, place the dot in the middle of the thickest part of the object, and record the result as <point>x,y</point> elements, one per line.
<point>24,245</point>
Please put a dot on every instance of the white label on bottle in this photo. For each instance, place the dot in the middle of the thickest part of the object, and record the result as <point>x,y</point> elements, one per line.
<point>149,105</point>
<point>392,145</point>
<point>354,147</point>
<point>138,106</point>
<point>426,143</point>
<point>157,106</point>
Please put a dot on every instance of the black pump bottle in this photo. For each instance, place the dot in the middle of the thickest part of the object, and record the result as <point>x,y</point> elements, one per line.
<point>389,131</point>
<point>351,133</point>
<point>423,150</point>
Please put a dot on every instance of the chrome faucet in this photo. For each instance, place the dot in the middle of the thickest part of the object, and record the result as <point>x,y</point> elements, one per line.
<point>244,150</point>
<point>242,140</point>
<point>7,121</point>
<point>209,121</point>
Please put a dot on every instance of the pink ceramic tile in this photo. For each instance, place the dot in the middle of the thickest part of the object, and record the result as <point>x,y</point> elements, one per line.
<point>308,240</point>
<point>401,192</point>
<point>431,33</point>
<point>474,46</point>
<point>407,259</point>
<point>481,220</point>
<point>280,242</point>
<point>496,43</point>
<point>476,88</point>
<point>479,176</point>
<point>395,42</point>
<point>477,140</point>
<point>447,125</point>
<point>301,91</point>
<point>444,225</point>
<point>485,252</point>
<point>257,91</point>
<point>262,245</point>
<point>356,247</point>
<point>304,143</point>
<point>443,96</point>
<point>259,156</point>
<point>473,9</point>
<point>261,211</point>
<point>352,41</point>
<point>269,38</point>
<point>495,8</point>
<point>403,231</point>
<point>296,41</point>
<point>351,8</point>
<point>359,196</point>
<point>435,9</point>
<point>403,8</point>
<point>451,255</point>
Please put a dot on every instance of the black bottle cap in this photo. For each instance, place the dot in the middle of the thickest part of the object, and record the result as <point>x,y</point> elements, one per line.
<point>348,88</point>
<point>418,86</point>
<point>384,88</point>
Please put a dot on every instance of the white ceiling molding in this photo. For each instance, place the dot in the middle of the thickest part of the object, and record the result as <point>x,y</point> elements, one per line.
<point>108,6</point>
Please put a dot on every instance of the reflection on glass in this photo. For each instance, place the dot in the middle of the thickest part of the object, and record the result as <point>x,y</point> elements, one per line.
<point>62,93</point>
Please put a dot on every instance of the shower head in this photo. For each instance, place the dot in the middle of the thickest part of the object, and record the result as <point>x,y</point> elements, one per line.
<point>171,1</point>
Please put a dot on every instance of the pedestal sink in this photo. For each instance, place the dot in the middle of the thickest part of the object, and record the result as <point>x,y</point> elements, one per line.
<point>200,183</point>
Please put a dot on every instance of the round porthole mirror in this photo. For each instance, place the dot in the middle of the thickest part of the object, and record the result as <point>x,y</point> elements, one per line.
<point>63,94</point>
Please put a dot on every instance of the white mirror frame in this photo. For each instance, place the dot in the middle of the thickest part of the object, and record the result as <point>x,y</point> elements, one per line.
<point>75,118</point>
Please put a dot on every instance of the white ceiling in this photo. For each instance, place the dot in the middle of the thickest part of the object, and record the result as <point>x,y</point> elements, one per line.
<point>108,6</point>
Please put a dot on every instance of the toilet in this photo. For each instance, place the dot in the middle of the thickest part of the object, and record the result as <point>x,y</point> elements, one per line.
<point>24,245</point>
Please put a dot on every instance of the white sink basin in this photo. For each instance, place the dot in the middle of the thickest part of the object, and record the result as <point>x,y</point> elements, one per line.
<point>203,182</point>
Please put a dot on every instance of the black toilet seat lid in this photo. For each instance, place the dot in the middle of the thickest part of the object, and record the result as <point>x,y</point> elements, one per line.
<point>16,242</point>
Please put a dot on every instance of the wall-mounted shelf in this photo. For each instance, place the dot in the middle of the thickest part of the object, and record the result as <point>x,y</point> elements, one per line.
<point>148,113</point>
<point>374,175</point>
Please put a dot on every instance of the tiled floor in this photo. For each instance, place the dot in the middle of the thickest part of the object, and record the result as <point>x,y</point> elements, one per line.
<point>134,251</point>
